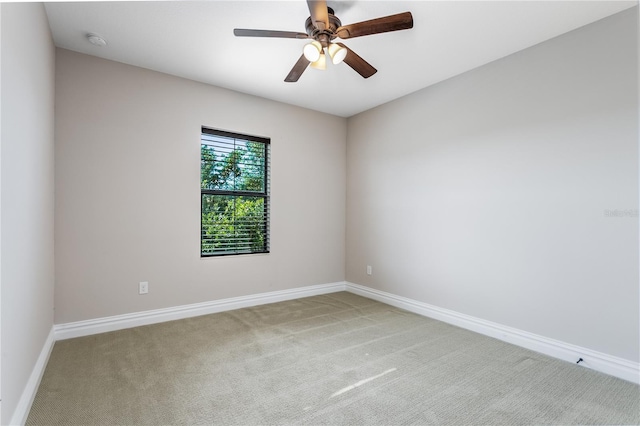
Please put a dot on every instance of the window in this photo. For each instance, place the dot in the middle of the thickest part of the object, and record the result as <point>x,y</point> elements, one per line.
<point>234,191</point>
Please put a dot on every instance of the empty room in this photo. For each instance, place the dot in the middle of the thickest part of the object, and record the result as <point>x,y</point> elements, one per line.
<point>319,212</point>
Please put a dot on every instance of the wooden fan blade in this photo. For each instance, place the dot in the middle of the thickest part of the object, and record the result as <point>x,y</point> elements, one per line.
<point>241,32</point>
<point>319,14</point>
<point>360,66</point>
<point>297,70</point>
<point>401,21</point>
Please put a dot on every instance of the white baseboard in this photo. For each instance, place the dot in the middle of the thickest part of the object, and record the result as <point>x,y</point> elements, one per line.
<point>119,322</point>
<point>608,364</point>
<point>29,393</point>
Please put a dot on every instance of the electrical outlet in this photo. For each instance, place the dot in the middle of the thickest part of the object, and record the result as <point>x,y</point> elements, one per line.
<point>369,271</point>
<point>143,288</point>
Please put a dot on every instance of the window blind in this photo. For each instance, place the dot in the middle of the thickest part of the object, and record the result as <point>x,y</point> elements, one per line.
<point>234,184</point>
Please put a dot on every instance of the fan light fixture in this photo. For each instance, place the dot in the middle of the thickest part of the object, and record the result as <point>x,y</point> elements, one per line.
<point>321,63</point>
<point>312,51</point>
<point>337,53</point>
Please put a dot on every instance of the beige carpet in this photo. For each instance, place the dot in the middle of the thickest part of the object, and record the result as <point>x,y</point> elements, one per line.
<point>337,359</point>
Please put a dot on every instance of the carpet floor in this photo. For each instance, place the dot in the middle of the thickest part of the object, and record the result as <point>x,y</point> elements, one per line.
<point>336,359</point>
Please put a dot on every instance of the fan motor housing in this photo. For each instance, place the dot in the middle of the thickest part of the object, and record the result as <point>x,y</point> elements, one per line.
<point>324,36</point>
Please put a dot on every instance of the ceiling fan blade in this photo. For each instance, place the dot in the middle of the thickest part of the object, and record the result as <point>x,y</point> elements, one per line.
<point>241,32</point>
<point>360,66</point>
<point>401,21</point>
<point>297,70</point>
<point>319,14</point>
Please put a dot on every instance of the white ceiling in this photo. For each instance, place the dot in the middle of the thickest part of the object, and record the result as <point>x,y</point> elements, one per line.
<point>194,39</point>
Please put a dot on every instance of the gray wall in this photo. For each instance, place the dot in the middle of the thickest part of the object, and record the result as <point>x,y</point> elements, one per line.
<point>488,194</point>
<point>128,191</point>
<point>27,195</point>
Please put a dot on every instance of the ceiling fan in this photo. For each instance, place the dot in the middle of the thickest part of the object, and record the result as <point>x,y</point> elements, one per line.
<point>323,27</point>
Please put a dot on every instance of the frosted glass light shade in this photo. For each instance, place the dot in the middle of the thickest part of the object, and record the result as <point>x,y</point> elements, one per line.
<point>321,63</point>
<point>337,53</point>
<point>312,51</point>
